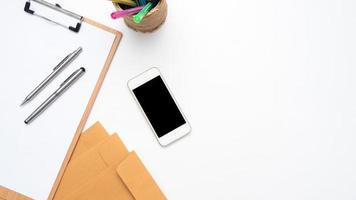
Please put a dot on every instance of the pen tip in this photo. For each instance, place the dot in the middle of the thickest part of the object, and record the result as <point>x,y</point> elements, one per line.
<point>24,102</point>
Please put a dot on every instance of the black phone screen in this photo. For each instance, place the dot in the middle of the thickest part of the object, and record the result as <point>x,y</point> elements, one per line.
<point>159,106</point>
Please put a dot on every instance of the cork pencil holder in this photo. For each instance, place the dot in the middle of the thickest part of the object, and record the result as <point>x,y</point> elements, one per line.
<point>151,22</point>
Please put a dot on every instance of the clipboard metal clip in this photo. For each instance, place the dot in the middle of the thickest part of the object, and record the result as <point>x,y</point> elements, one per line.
<point>58,8</point>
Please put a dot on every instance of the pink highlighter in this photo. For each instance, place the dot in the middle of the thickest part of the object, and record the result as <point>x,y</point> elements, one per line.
<point>126,12</point>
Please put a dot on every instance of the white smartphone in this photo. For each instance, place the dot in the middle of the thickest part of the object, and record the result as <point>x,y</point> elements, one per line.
<point>159,106</point>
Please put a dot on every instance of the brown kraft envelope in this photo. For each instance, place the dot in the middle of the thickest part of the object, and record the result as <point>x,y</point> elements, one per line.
<point>102,168</point>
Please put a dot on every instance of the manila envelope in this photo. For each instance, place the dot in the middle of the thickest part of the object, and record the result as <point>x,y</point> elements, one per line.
<point>102,168</point>
<point>90,138</point>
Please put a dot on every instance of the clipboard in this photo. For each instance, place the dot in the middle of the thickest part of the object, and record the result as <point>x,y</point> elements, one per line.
<point>27,61</point>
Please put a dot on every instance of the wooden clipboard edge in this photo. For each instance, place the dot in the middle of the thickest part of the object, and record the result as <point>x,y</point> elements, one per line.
<point>7,194</point>
<point>104,71</point>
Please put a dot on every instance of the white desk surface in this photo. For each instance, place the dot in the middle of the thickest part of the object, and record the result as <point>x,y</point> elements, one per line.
<point>268,86</point>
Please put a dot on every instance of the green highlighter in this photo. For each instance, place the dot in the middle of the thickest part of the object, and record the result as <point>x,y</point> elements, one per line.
<point>139,16</point>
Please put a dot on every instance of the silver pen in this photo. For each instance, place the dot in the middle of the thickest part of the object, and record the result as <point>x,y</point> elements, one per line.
<point>64,63</point>
<point>62,88</point>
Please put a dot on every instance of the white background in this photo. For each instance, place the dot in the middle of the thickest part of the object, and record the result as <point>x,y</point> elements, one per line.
<point>268,87</point>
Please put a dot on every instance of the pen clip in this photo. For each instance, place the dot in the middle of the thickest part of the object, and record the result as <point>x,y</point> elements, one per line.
<point>64,60</point>
<point>76,72</point>
<point>64,82</point>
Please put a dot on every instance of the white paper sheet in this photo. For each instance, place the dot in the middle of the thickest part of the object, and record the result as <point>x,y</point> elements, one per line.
<point>31,155</point>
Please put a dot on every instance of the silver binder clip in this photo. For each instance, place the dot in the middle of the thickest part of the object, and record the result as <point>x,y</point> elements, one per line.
<point>58,8</point>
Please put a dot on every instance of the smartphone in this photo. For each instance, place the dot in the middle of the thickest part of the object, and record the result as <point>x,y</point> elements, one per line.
<point>158,105</point>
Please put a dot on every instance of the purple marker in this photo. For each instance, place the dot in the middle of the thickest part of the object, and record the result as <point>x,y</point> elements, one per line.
<point>126,12</point>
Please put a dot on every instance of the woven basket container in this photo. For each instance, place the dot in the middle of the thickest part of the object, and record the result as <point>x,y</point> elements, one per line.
<point>152,21</point>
